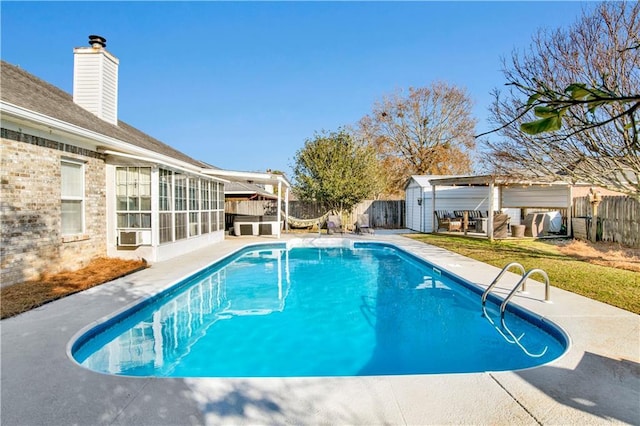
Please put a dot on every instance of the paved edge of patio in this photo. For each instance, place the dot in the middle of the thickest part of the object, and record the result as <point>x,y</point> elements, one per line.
<point>596,382</point>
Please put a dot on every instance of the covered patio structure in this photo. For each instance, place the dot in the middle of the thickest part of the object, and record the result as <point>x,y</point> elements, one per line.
<point>505,193</point>
<point>273,179</point>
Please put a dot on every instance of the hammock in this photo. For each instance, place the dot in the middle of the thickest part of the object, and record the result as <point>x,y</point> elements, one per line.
<point>294,222</point>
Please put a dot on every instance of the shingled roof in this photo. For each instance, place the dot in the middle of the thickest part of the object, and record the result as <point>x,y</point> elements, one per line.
<point>235,188</point>
<point>27,91</point>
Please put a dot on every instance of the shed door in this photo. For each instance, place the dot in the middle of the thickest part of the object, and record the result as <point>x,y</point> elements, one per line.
<point>413,209</point>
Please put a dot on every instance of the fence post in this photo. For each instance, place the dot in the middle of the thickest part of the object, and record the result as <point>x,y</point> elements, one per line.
<point>594,198</point>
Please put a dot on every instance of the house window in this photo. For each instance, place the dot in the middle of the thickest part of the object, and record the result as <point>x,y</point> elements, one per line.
<point>181,226</point>
<point>180,205</point>
<point>204,222</point>
<point>194,207</point>
<point>204,206</point>
<point>165,192</point>
<point>166,228</point>
<point>189,206</point>
<point>133,197</point>
<point>72,195</point>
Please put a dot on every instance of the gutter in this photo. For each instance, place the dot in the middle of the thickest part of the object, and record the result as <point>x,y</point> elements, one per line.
<point>130,151</point>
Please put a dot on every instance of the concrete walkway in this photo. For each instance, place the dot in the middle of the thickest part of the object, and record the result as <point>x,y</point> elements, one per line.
<point>596,382</point>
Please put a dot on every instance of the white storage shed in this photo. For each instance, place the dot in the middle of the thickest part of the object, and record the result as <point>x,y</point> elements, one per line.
<point>420,204</point>
<point>512,196</point>
<point>428,193</point>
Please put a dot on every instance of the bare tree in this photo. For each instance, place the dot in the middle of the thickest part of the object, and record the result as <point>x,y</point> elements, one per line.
<point>428,130</point>
<point>571,111</point>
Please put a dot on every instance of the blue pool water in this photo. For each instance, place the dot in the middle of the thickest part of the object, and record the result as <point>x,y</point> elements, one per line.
<point>370,309</point>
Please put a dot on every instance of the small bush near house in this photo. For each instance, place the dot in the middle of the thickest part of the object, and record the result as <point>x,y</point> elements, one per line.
<point>22,297</point>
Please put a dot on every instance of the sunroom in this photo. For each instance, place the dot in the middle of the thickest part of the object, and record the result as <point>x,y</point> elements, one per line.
<point>157,211</point>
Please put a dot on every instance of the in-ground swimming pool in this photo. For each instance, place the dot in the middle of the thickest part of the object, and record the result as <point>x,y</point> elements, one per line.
<point>359,309</point>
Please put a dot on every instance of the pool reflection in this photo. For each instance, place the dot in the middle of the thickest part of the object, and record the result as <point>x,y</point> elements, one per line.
<point>169,332</point>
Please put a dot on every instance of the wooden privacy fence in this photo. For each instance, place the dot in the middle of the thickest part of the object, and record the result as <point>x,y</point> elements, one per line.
<point>618,219</point>
<point>382,214</point>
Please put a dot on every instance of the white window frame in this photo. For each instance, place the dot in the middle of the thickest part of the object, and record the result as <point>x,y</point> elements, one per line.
<point>139,185</point>
<point>215,204</point>
<point>80,198</point>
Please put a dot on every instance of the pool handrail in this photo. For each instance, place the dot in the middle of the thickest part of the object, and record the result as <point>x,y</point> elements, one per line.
<point>513,340</point>
<point>495,281</point>
<point>547,292</point>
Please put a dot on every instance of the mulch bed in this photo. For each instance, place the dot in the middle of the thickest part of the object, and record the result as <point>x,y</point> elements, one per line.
<point>22,297</point>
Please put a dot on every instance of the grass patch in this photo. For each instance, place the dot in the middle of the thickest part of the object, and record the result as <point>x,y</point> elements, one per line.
<point>22,297</point>
<point>569,267</point>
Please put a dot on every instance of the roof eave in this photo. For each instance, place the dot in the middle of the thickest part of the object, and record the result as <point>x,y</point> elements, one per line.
<point>251,177</point>
<point>104,144</point>
<point>484,180</point>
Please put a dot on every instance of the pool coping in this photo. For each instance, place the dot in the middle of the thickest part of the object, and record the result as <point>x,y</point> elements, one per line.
<point>597,381</point>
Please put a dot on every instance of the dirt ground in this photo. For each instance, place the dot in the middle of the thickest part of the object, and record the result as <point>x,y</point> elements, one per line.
<point>602,253</point>
<point>22,297</point>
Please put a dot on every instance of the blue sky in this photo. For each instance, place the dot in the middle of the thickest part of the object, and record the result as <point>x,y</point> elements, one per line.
<point>242,85</point>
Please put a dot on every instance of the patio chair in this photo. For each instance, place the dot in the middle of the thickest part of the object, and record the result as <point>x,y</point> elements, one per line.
<point>471,217</point>
<point>500,225</point>
<point>334,224</point>
<point>475,217</point>
<point>447,221</point>
<point>362,224</point>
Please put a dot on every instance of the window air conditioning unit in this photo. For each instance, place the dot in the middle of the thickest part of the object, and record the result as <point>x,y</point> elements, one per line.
<point>129,238</point>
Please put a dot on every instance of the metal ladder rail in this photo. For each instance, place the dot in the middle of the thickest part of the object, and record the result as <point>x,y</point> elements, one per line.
<point>511,338</point>
<point>495,281</point>
<point>547,288</point>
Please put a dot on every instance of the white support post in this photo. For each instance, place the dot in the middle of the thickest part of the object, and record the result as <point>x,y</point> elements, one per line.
<point>155,207</point>
<point>286,209</point>
<point>490,213</point>
<point>279,210</point>
<point>569,208</point>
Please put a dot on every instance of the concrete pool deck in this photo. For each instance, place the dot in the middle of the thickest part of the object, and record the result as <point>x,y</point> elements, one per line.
<point>596,382</point>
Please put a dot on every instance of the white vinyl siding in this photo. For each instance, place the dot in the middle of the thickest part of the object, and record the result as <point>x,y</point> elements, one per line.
<point>413,193</point>
<point>86,84</point>
<point>72,197</point>
<point>109,104</point>
<point>95,83</point>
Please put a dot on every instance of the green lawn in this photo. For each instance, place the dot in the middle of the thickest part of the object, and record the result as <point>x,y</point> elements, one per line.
<point>616,287</point>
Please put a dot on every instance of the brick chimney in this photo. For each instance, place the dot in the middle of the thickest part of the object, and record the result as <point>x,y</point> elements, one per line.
<point>95,79</point>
